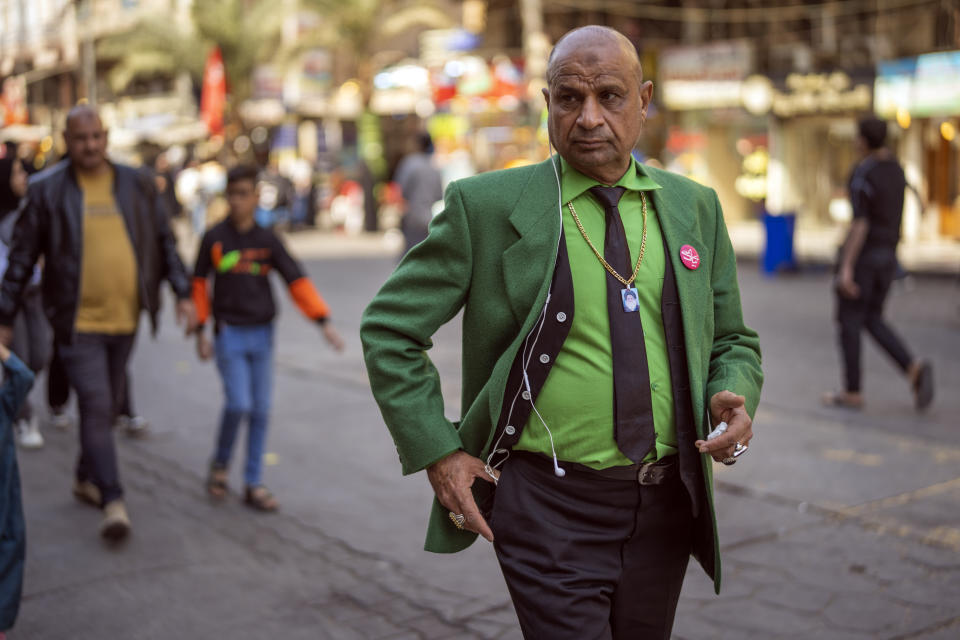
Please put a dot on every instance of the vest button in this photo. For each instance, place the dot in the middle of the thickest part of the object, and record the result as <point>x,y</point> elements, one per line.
<point>544,358</point>
<point>561,317</point>
<point>510,430</point>
<point>525,395</point>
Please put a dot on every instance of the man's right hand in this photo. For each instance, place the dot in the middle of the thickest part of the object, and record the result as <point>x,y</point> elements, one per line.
<point>451,478</point>
<point>6,335</point>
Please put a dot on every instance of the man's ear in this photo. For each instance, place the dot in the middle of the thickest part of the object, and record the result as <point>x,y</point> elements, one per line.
<point>546,97</point>
<point>646,95</point>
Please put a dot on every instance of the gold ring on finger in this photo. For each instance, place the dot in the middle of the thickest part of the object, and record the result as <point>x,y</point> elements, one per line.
<point>457,519</point>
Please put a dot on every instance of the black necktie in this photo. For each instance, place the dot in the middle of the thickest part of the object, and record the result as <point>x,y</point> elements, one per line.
<point>632,409</point>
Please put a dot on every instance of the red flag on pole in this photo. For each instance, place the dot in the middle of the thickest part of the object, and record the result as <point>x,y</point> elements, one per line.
<point>214,96</point>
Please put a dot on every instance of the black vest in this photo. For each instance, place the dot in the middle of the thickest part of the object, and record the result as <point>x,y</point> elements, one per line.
<point>539,353</point>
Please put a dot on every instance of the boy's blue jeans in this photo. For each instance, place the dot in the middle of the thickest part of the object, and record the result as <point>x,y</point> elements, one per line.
<point>245,361</point>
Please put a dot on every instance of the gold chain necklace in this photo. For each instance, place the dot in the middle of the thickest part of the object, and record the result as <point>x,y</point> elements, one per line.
<point>606,265</point>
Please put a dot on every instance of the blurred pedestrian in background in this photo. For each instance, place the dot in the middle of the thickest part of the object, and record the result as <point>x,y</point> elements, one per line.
<point>239,254</point>
<point>868,265</point>
<point>188,189</point>
<point>17,380</point>
<point>31,334</point>
<point>422,187</point>
<point>106,245</point>
<point>166,180</point>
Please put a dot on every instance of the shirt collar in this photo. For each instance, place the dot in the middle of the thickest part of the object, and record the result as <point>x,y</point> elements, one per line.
<point>575,183</point>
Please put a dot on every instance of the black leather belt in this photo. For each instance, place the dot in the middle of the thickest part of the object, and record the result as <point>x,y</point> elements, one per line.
<point>647,473</point>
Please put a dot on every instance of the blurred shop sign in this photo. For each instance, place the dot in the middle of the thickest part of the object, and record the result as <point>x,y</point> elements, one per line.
<point>307,88</point>
<point>262,112</point>
<point>399,89</point>
<point>267,83</point>
<point>928,85</point>
<point>804,94</point>
<point>704,77</point>
<point>24,133</point>
<point>816,93</point>
<point>436,45</point>
<point>46,58</point>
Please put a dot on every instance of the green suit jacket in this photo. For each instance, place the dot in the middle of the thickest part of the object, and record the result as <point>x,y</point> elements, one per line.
<point>491,253</point>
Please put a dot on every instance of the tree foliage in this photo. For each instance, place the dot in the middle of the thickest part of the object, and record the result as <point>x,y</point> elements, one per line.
<point>247,32</point>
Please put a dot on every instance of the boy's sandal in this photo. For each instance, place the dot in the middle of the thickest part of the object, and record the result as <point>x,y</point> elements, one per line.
<point>840,399</point>
<point>260,498</point>
<point>217,482</point>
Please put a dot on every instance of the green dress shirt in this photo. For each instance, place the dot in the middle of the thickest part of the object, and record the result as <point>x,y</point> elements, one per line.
<point>576,401</point>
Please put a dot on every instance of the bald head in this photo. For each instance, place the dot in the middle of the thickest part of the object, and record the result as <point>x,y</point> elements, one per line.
<point>588,37</point>
<point>86,139</point>
<point>82,112</point>
<point>596,101</point>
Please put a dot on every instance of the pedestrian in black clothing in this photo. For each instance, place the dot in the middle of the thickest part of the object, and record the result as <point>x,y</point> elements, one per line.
<point>868,265</point>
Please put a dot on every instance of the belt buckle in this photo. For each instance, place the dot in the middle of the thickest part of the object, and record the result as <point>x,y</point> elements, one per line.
<point>650,473</point>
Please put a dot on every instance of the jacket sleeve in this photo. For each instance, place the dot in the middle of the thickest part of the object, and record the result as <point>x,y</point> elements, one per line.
<point>172,266</point>
<point>201,273</point>
<point>735,363</point>
<point>427,289</point>
<point>24,251</point>
<point>304,294</point>
<point>16,385</point>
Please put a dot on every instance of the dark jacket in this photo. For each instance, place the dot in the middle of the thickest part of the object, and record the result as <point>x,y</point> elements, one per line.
<point>52,225</point>
<point>17,382</point>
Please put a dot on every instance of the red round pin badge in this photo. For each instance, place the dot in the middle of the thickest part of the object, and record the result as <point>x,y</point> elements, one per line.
<point>689,257</point>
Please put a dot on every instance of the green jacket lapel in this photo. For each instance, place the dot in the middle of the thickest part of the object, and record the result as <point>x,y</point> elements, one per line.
<point>676,216</point>
<point>528,262</point>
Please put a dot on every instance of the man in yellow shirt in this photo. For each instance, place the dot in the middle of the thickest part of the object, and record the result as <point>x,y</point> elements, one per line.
<point>107,245</point>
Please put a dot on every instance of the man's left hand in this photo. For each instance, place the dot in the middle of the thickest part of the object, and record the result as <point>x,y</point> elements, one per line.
<point>187,315</point>
<point>726,406</point>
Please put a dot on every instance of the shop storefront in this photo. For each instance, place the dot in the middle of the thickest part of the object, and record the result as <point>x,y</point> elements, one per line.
<point>922,95</point>
<point>709,136</point>
<point>813,123</point>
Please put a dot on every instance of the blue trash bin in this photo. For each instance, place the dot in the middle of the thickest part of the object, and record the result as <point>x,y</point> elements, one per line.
<point>778,252</point>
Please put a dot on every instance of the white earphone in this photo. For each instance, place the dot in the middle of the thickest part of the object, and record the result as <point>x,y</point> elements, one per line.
<point>527,354</point>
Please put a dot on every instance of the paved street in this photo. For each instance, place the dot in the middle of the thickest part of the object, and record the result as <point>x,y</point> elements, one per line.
<point>836,525</point>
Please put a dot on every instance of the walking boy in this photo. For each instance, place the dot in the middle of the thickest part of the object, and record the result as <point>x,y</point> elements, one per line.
<point>240,254</point>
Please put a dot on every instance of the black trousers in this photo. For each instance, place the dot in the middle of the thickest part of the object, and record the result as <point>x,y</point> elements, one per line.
<point>96,365</point>
<point>587,557</point>
<point>873,273</point>
<point>58,388</point>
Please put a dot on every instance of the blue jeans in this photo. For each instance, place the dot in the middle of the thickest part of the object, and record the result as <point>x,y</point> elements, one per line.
<point>245,362</point>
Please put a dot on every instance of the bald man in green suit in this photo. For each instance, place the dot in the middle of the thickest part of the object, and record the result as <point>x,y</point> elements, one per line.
<point>582,451</point>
